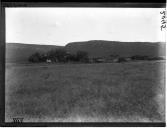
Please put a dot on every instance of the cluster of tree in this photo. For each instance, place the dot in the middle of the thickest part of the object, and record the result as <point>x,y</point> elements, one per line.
<point>139,57</point>
<point>37,57</point>
<point>59,55</point>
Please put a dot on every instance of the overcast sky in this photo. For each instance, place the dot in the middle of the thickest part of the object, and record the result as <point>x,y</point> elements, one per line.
<point>59,26</point>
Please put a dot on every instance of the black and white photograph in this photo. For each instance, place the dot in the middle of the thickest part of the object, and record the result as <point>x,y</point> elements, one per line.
<point>85,64</point>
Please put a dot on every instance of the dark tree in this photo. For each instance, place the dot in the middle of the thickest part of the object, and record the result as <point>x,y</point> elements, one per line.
<point>43,57</point>
<point>82,56</point>
<point>51,55</point>
<point>61,55</point>
<point>71,57</point>
<point>36,57</point>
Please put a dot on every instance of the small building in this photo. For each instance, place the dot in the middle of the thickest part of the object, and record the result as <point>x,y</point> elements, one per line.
<point>99,60</point>
<point>48,61</point>
<point>128,59</point>
<point>115,60</point>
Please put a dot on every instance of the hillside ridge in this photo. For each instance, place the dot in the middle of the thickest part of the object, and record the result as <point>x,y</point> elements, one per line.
<point>19,52</point>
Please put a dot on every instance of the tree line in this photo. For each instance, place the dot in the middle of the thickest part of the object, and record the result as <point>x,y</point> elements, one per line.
<point>59,55</point>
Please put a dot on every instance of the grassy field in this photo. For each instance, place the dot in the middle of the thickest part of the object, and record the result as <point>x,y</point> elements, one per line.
<point>86,92</point>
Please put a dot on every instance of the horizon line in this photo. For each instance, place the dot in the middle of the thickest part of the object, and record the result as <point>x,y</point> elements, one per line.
<point>86,41</point>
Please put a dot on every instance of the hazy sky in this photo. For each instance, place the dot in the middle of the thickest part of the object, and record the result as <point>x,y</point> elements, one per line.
<point>59,26</point>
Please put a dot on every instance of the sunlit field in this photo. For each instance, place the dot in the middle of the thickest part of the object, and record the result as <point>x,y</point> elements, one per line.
<point>105,92</point>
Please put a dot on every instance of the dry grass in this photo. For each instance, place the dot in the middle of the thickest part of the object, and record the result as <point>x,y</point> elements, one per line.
<point>86,92</point>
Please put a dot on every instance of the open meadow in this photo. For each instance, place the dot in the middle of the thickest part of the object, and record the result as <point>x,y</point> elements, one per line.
<point>103,92</point>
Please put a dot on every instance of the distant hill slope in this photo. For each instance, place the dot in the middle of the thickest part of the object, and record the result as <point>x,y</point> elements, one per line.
<point>100,48</point>
<point>17,52</point>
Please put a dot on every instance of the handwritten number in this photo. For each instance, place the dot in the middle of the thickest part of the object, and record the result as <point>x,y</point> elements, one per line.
<point>163,21</point>
<point>163,26</point>
<point>163,12</point>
